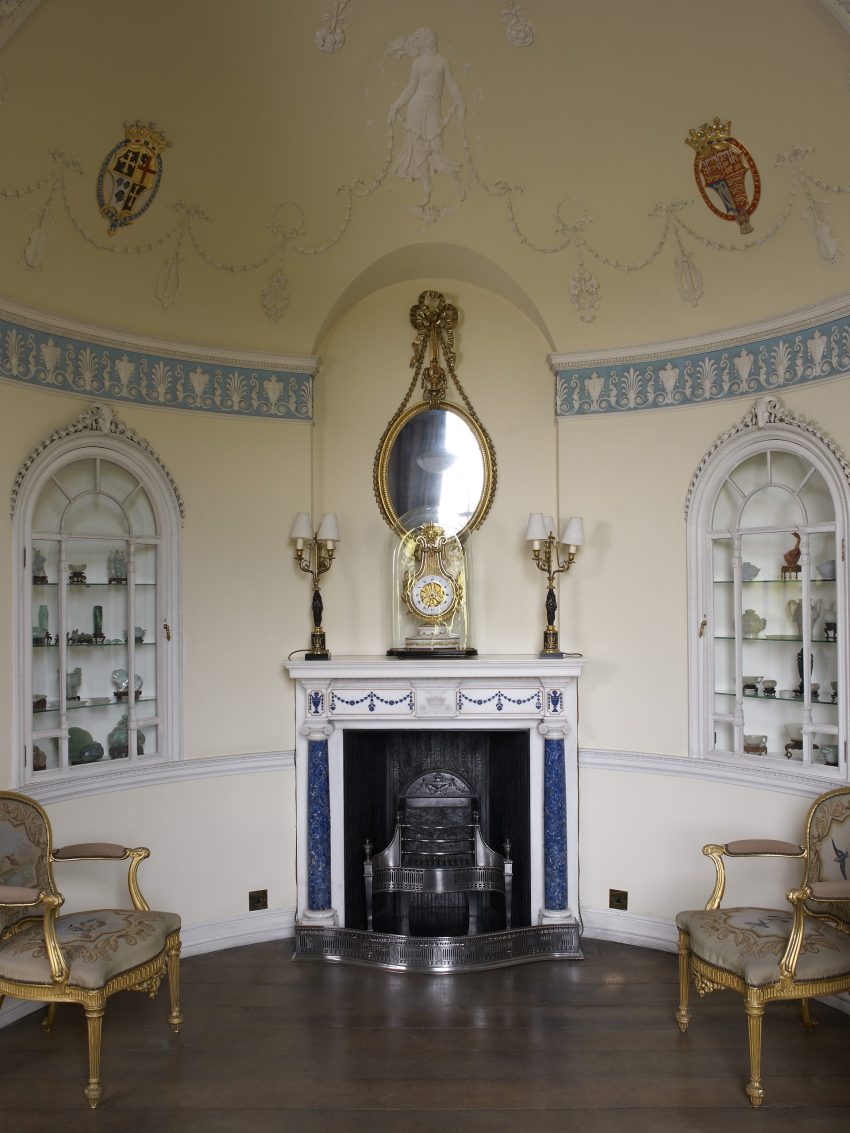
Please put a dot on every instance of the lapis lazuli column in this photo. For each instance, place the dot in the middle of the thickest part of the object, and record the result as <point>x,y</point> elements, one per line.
<point>554,824</point>
<point>318,826</point>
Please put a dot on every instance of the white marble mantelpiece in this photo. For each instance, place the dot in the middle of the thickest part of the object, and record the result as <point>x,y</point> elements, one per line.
<point>495,692</point>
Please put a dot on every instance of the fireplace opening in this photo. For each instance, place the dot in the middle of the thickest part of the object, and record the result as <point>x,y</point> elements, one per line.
<point>378,769</point>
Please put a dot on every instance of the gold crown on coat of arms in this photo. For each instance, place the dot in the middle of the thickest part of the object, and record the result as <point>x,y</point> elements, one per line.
<point>710,135</point>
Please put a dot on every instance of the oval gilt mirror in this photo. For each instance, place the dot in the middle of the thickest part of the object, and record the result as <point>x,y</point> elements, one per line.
<point>435,464</point>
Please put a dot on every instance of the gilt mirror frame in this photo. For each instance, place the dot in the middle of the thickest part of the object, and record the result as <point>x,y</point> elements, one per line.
<point>435,320</point>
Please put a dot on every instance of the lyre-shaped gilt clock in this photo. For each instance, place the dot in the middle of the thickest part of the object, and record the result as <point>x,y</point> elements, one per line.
<point>434,480</point>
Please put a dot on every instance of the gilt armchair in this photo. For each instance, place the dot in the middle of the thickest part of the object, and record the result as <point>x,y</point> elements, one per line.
<point>81,957</point>
<point>796,952</point>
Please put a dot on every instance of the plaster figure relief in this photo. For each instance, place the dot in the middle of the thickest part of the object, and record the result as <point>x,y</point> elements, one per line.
<point>423,152</point>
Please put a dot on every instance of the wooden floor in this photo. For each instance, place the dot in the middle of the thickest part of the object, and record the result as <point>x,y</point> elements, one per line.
<point>579,1046</point>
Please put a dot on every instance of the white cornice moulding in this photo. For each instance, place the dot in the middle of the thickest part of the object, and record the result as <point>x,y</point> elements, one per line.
<point>187,770</point>
<point>188,351</point>
<point>836,308</point>
<point>787,352</point>
<point>207,936</point>
<point>707,770</point>
<point>40,350</point>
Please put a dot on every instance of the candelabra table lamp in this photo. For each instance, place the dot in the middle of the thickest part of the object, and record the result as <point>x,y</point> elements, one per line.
<point>314,554</point>
<point>547,557</point>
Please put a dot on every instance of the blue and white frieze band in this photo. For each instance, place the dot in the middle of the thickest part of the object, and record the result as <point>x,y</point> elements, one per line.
<point>56,356</point>
<point>739,365</point>
<point>499,700</point>
<point>370,701</point>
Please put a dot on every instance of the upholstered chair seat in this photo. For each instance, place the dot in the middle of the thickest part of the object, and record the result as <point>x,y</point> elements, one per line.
<point>98,945</point>
<point>79,957</point>
<point>749,943</point>
<point>797,952</point>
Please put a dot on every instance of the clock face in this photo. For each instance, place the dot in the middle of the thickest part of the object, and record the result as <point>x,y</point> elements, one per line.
<point>432,595</point>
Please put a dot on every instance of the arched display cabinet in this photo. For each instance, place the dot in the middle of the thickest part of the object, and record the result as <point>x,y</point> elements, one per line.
<point>767,515</point>
<point>97,523</point>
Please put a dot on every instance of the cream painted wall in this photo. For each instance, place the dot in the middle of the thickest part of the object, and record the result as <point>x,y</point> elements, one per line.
<point>625,605</point>
<point>246,605</point>
<point>365,374</point>
<point>567,127</point>
<point>644,833</point>
<point>239,480</point>
<point>211,841</point>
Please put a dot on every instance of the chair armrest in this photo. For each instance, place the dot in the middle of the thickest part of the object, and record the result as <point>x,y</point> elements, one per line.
<point>829,891</point>
<point>817,891</point>
<point>762,848</point>
<point>20,895</point>
<point>24,897</point>
<point>745,848</point>
<point>90,850</point>
<point>109,851</point>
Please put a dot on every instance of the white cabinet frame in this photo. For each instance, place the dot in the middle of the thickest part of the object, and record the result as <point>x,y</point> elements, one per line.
<point>767,427</point>
<point>99,435</point>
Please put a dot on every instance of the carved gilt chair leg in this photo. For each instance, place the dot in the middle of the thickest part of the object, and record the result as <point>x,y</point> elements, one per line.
<point>94,1019</point>
<point>175,1018</point>
<point>806,1010</point>
<point>50,1018</point>
<point>683,1015</point>
<point>755,1012</point>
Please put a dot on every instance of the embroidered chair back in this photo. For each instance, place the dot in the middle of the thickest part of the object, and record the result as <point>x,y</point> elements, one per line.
<point>827,839</point>
<point>25,844</point>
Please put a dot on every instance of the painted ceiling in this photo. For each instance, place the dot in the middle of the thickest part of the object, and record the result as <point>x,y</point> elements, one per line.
<point>320,149</point>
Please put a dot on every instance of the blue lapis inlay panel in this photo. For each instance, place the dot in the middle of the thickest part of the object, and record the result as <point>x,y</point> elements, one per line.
<point>554,824</point>
<point>318,826</point>
<point>735,369</point>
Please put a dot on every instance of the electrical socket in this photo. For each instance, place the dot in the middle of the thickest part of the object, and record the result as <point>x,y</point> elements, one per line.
<point>618,899</point>
<point>258,899</point>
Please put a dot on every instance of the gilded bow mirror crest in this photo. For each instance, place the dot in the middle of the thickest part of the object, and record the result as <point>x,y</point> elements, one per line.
<point>435,461</point>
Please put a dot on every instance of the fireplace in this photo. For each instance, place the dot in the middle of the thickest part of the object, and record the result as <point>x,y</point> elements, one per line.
<point>378,767</point>
<point>503,725</point>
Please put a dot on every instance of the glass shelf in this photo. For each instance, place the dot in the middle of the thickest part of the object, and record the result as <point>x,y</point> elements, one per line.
<point>91,702</point>
<point>795,698</point>
<point>118,586</point>
<point>773,581</point>
<point>92,645</point>
<point>777,637</point>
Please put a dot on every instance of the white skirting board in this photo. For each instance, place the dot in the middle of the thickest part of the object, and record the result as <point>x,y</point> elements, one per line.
<point>209,936</point>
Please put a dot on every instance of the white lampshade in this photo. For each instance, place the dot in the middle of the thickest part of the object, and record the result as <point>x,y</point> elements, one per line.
<point>302,528</point>
<point>573,534</point>
<point>536,530</point>
<point>550,525</point>
<point>328,529</point>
